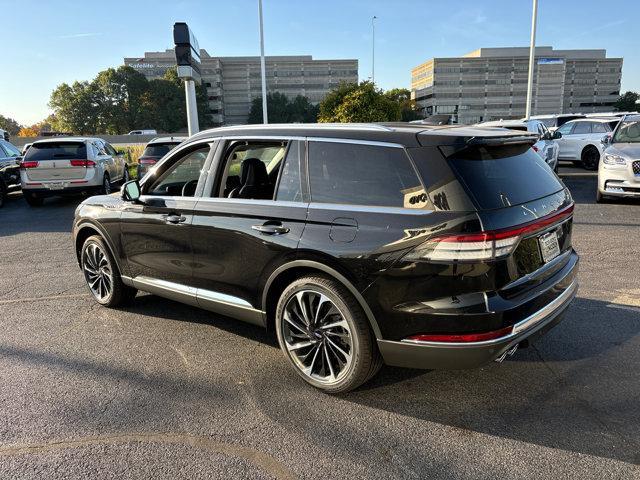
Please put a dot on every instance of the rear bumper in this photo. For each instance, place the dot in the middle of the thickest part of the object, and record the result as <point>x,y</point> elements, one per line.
<point>453,356</point>
<point>70,190</point>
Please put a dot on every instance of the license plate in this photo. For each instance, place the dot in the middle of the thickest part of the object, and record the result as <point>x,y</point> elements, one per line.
<point>549,246</point>
<point>55,186</point>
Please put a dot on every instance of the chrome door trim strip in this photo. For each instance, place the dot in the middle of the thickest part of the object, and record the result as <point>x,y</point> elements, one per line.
<point>354,141</point>
<point>545,313</point>
<point>368,208</point>
<point>218,302</point>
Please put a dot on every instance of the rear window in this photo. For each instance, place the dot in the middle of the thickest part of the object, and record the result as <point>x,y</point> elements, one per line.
<point>503,176</point>
<point>57,150</point>
<point>158,149</point>
<point>356,174</point>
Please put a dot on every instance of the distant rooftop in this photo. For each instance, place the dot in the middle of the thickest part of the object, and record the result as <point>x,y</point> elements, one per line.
<point>542,51</point>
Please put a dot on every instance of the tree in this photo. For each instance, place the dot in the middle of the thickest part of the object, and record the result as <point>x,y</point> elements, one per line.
<point>76,108</point>
<point>627,102</point>
<point>362,103</point>
<point>282,110</point>
<point>402,96</point>
<point>10,125</point>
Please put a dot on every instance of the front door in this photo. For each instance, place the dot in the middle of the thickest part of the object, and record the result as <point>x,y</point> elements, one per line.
<point>156,233</point>
<point>565,141</point>
<point>250,222</point>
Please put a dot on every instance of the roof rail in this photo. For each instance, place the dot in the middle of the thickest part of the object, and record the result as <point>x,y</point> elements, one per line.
<point>346,126</point>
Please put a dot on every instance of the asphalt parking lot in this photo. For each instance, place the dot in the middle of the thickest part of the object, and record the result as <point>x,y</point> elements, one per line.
<point>163,390</point>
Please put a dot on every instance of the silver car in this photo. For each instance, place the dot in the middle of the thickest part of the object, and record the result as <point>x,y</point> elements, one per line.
<point>70,165</point>
<point>619,171</point>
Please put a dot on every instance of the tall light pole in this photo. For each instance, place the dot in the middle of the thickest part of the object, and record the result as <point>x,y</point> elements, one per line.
<point>532,53</point>
<point>373,49</point>
<point>263,69</point>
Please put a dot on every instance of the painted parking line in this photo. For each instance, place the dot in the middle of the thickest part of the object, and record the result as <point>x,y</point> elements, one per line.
<point>38,299</point>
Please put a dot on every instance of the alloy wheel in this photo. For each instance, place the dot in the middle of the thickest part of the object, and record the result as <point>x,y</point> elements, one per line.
<point>317,336</point>
<point>97,271</point>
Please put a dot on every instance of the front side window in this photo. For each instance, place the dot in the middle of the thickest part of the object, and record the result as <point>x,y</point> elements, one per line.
<point>628,131</point>
<point>566,129</point>
<point>251,169</point>
<point>110,150</point>
<point>10,149</point>
<point>181,178</point>
<point>599,128</point>
<point>357,174</point>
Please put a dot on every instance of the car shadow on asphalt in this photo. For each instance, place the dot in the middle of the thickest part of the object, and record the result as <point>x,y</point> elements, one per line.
<point>575,389</point>
<point>583,190</point>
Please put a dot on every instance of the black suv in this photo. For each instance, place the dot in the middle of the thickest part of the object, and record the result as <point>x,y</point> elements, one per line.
<point>10,158</point>
<point>411,245</point>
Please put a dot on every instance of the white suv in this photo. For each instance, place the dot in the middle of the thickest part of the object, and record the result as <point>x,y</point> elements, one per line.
<point>581,140</point>
<point>60,166</point>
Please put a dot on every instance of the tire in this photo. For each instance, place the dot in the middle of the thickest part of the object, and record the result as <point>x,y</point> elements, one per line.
<point>3,194</point>
<point>101,274</point>
<point>337,359</point>
<point>577,163</point>
<point>590,157</point>
<point>125,176</point>
<point>106,185</point>
<point>600,198</point>
<point>33,199</point>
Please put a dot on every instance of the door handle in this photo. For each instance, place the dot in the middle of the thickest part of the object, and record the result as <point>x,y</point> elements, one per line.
<point>174,218</point>
<point>270,229</point>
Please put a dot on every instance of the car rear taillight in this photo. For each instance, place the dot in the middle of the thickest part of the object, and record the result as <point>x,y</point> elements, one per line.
<point>28,164</point>
<point>147,161</point>
<point>484,245</point>
<point>82,163</point>
<point>462,337</point>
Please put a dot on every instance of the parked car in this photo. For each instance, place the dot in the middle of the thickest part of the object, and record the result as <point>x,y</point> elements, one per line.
<point>546,147</point>
<point>619,171</point>
<point>71,165</point>
<point>142,132</point>
<point>155,150</point>
<point>9,170</point>
<point>553,122</point>
<point>355,244</point>
<point>581,140</point>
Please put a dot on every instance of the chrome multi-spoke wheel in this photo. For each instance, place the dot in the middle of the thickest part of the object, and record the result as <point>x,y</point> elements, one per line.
<point>97,271</point>
<point>317,336</point>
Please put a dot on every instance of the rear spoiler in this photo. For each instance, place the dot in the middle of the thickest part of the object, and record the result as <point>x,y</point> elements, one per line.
<point>492,141</point>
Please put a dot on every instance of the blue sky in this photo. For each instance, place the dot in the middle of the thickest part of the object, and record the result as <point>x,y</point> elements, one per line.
<point>45,43</point>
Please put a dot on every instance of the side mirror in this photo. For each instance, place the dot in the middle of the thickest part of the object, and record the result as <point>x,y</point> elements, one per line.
<point>131,191</point>
<point>556,135</point>
<point>606,140</point>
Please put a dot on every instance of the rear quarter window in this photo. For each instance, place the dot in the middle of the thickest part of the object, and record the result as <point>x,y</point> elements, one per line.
<point>360,174</point>
<point>57,150</point>
<point>503,176</point>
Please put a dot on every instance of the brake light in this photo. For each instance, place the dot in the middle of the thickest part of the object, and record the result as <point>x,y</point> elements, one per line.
<point>484,245</point>
<point>462,337</point>
<point>147,161</point>
<point>82,163</point>
<point>28,164</point>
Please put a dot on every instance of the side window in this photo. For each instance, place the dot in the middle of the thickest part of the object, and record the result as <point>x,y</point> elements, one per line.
<point>599,128</point>
<point>356,174</point>
<point>582,128</point>
<point>181,178</point>
<point>110,150</point>
<point>10,149</point>
<point>290,186</point>
<point>250,169</point>
<point>98,148</point>
<point>566,129</point>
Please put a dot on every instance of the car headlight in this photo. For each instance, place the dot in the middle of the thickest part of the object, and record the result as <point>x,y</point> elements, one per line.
<point>614,160</point>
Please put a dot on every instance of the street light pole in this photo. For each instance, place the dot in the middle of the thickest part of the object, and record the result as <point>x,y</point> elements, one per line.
<point>263,69</point>
<point>373,49</point>
<point>532,53</point>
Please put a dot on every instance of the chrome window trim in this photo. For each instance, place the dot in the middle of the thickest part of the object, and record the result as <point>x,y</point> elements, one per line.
<point>250,202</point>
<point>368,208</point>
<point>355,142</point>
<point>522,326</point>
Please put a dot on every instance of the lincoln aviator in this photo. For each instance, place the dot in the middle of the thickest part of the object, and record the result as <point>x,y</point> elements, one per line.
<point>434,247</point>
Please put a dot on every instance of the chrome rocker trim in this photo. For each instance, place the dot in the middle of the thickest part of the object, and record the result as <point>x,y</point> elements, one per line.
<point>198,297</point>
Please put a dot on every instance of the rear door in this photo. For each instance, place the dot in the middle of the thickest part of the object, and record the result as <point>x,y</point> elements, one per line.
<point>247,222</point>
<point>56,161</point>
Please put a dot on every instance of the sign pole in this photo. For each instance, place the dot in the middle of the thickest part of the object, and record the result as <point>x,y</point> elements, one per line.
<point>532,53</point>
<point>192,106</point>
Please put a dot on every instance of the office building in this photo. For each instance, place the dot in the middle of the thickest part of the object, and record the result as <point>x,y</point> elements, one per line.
<point>233,82</point>
<point>491,83</point>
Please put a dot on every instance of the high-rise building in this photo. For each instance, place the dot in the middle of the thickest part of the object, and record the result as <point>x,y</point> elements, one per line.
<point>233,82</point>
<point>491,83</point>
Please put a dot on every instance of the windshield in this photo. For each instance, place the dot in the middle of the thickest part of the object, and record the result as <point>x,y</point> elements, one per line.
<point>628,131</point>
<point>57,150</point>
